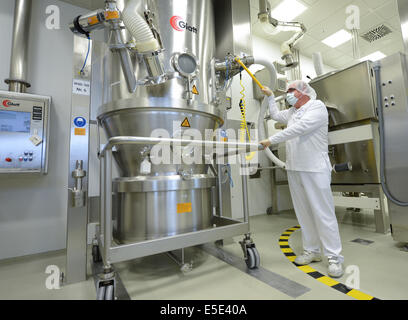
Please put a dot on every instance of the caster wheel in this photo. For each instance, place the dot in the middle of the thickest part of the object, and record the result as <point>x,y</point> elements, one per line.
<point>100,294</point>
<point>105,293</point>
<point>109,293</point>
<point>253,259</point>
<point>96,255</point>
<point>257,258</point>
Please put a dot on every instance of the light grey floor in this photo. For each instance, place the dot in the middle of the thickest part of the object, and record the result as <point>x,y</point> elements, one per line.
<point>382,266</point>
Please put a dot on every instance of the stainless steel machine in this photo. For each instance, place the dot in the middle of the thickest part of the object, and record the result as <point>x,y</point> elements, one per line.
<point>161,75</point>
<point>392,104</point>
<point>368,115</point>
<point>354,143</point>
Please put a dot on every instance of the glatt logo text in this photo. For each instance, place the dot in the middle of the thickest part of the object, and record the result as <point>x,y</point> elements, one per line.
<point>8,103</point>
<point>179,24</point>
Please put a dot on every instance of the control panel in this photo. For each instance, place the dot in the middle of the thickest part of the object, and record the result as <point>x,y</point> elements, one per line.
<point>24,132</point>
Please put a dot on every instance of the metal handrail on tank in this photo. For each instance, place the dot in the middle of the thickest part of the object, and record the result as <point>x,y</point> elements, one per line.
<point>240,147</point>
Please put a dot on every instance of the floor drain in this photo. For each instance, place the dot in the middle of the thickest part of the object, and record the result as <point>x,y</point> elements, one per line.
<point>363,241</point>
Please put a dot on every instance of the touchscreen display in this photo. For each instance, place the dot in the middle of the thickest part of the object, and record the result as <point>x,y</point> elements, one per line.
<point>15,121</point>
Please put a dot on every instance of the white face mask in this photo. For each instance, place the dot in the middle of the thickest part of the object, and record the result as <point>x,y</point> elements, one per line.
<point>291,99</point>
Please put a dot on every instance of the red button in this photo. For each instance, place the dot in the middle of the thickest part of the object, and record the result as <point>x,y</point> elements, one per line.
<point>9,159</point>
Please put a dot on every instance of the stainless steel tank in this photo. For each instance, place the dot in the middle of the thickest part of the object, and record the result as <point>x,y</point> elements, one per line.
<point>172,198</point>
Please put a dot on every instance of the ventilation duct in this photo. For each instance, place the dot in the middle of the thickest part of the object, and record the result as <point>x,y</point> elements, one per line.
<point>376,33</point>
<point>19,54</point>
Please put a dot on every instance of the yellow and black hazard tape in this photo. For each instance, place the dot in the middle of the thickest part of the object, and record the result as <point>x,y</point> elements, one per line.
<point>290,254</point>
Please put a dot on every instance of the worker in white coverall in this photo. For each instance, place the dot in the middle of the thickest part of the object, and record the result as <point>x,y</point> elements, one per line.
<point>309,173</point>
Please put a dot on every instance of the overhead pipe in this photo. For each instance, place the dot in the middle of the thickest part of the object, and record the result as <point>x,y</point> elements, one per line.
<point>17,80</point>
<point>139,28</point>
<point>265,17</point>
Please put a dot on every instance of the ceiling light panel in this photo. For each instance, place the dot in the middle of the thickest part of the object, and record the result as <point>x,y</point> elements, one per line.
<point>288,10</point>
<point>337,38</point>
<point>378,55</point>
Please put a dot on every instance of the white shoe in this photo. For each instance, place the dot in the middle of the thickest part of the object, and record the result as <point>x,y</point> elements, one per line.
<point>335,267</point>
<point>308,257</point>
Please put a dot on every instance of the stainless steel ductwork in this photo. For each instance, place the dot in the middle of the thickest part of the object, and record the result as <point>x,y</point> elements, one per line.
<point>19,53</point>
<point>274,26</point>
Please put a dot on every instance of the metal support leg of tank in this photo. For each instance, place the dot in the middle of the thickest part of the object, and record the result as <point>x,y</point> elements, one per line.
<point>274,208</point>
<point>251,254</point>
<point>381,216</point>
<point>106,284</point>
<point>184,267</point>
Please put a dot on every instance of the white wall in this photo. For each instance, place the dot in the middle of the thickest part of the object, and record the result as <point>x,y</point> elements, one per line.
<point>260,192</point>
<point>33,209</point>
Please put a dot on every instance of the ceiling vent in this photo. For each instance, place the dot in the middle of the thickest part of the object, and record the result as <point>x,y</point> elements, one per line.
<point>376,33</point>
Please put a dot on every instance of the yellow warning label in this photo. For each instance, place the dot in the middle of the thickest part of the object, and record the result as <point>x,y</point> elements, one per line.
<point>185,123</point>
<point>80,131</point>
<point>93,20</point>
<point>184,207</point>
<point>195,91</point>
<point>111,15</point>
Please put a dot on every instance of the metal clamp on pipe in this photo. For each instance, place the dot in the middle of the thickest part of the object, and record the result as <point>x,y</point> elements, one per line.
<point>231,67</point>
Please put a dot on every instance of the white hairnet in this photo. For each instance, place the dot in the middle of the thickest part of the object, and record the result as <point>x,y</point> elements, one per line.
<point>303,88</point>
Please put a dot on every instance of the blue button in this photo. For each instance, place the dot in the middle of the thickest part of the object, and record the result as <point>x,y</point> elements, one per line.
<point>80,122</point>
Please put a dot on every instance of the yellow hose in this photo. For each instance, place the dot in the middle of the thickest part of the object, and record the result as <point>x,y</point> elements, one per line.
<point>244,126</point>
<point>249,72</point>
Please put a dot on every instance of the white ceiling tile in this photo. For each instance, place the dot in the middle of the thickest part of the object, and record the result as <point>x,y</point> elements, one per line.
<point>374,4</point>
<point>387,10</point>
<point>321,10</point>
<point>346,48</point>
<point>319,47</point>
<point>364,9</point>
<point>343,61</point>
<point>332,55</point>
<point>370,21</point>
<point>395,23</point>
<point>306,42</point>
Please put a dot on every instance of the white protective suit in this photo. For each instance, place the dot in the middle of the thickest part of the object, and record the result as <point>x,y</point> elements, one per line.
<point>309,172</point>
